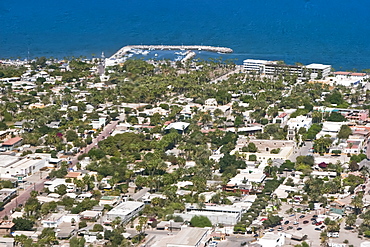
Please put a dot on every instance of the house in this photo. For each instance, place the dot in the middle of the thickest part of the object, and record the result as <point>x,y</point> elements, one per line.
<point>169,225</point>
<point>109,200</point>
<point>55,219</point>
<point>6,227</point>
<point>244,181</point>
<point>300,122</point>
<point>54,124</point>
<point>126,211</point>
<point>12,143</point>
<point>179,126</point>
<point>90,215</point>
<point>53,184</point>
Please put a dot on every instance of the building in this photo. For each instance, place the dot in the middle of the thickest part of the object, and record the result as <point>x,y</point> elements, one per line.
<point>6,227</point>
<point>227,215</point>
<point>12,143</point>
<point>53,185</point>
<point>54,220</point>
<point>272,240</point>
<point>243,181</point>
<point>273,68</point>
<point>11,166</point>
<point>126,211</point>
<point>300,122</point>
<point>109,200</point>
<point>179,126</point>
<point>255,66</point>
<point>318,71</point>
<point>189,237</point>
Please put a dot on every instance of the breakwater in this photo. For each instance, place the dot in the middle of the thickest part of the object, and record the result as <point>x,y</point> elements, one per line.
<point>126,49</point>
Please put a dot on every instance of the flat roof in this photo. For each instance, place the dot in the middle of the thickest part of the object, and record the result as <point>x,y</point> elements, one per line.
<point>188,236</point>
<point>317,66</point>
<point>6,160</point>
<point>177,126</point>
<point>126,208</point>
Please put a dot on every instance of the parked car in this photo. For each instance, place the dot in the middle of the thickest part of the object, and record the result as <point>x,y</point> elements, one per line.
<point>295,223</point>
<point>305,222</point>
<point>302,216</point>
<point>317,229</point>
<point>271,230</point>
<point>318,223</point>
<point>299,228</point>
<point>286,222</point>
<point>290,227</point>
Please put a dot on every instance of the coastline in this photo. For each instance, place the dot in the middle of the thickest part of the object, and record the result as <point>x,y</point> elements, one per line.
<point>126,49</point>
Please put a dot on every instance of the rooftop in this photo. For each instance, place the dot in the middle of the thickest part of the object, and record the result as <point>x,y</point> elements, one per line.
<point>188,237</point>
<point>12,141</point>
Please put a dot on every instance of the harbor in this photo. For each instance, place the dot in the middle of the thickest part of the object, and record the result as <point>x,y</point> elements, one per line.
<point>127,49</point>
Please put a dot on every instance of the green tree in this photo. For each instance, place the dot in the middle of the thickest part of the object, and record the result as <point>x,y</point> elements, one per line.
<point>77,242</point>
<point>22,224</point>
<point>71,135</point>
<point>344,132</point>
<point>200,221</point>
<point>97,228</point>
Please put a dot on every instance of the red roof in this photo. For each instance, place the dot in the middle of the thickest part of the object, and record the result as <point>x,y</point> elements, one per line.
<point>282,115</point>
<point>358,74</point>
<point>12,141</point>
<point>341,73</point>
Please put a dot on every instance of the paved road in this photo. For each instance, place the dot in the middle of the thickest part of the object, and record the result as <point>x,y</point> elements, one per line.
<point>304,150</point>
<point>106,132</point>
<point>22,198</point>
<point>238,69</point>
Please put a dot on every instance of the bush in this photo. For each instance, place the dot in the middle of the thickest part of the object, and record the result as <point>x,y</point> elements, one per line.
<point>82,224</point>
<point>252,157</point>
<point>200,221</point>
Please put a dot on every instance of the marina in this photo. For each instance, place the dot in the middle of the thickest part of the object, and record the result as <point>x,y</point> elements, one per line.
<point>127,49</point>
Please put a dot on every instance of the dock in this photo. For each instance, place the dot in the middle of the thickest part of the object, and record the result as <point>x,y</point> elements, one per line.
<point>126,49</point>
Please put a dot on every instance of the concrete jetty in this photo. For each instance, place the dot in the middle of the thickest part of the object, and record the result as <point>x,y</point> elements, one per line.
<point>126,49</point>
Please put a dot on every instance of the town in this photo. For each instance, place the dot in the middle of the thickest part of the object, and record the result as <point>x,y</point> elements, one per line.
<point>190,153</point>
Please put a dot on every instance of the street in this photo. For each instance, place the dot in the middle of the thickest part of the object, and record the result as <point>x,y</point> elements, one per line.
<point>304,150</point>
<point>21,198</point>
<point>105,133</point>
<point>36,181</point>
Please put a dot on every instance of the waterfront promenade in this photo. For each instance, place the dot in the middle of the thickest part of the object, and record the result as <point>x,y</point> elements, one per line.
<point>126,49</point>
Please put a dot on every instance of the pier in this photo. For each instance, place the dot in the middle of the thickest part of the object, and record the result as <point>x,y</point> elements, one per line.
<point>126,49</point>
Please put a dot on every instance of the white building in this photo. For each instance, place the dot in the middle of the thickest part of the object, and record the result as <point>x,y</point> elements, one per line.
<point>255,66</point>
<point>316,69</point>
<point>227,215</point>
<point>54,220</point>
<point>125,211</point>
<point>53,184</point>
<point>300,122</point>
<point>11,166</point>
<point>272,240</point>
<point>189,237</point>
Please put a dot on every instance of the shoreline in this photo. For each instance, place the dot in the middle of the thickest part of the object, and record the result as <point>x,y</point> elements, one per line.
<point>126,49</point>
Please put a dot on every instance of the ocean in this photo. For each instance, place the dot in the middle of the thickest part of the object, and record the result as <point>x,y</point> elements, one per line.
<point>321,31</point>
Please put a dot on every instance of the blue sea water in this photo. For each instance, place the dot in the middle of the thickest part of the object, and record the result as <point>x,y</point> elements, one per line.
<point>333,32</point>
